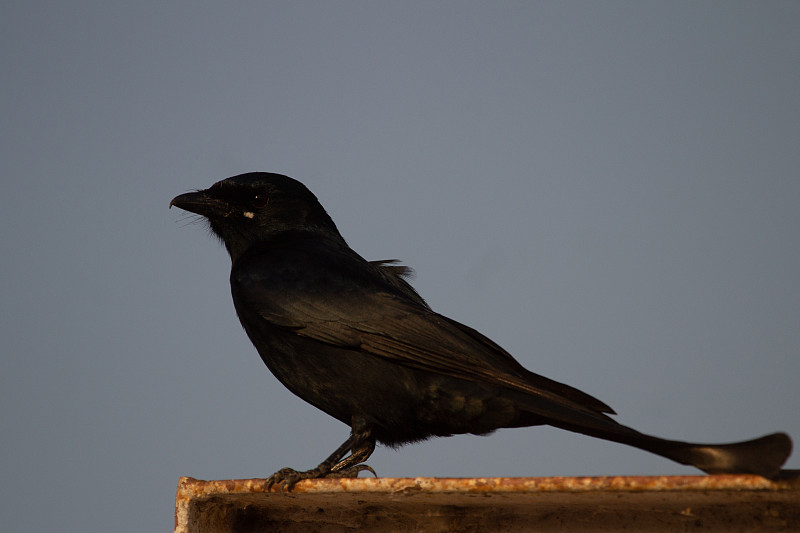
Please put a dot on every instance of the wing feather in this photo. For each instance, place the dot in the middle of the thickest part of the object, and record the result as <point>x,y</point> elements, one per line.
<point>333,305</point>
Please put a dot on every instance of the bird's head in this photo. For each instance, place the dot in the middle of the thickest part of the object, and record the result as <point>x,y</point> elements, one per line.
<point>247,209</point>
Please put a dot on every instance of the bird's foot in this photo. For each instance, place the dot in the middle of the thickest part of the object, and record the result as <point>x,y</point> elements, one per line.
<point>351,472</point>
<point>287,478</point>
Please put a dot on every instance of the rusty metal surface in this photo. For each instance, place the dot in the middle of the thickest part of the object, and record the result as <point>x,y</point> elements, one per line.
<point>647,503</point>
<point>499,484</point>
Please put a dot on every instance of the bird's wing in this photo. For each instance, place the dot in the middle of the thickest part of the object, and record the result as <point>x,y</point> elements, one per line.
<point>341,302</point>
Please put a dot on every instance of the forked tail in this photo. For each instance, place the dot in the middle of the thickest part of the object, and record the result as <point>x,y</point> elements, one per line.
<point>763,456</point>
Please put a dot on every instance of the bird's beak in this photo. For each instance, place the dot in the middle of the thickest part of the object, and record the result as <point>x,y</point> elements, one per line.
<point>201,203</point>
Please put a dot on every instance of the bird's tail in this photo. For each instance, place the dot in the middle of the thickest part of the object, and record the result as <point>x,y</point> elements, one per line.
<point>763,456</point>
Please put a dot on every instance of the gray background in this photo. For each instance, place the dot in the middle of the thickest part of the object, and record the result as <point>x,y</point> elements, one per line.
<point>607,189</point>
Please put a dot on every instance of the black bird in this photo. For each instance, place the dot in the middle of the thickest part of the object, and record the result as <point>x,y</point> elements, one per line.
<point>354,339</point>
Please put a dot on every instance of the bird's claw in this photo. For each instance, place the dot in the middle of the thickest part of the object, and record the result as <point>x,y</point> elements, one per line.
<point>352,472</point>
<point>287,478</point>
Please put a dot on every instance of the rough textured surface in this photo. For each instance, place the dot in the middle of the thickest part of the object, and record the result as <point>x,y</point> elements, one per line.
<point>674,503</point>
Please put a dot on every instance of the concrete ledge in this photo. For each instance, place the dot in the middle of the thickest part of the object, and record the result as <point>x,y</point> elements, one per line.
<point>641,503</point>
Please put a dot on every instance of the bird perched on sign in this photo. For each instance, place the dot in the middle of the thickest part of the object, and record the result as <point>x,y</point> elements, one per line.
<point>354,339</point>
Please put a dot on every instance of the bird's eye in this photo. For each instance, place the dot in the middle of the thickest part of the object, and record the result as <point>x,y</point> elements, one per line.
<point>259,200</point>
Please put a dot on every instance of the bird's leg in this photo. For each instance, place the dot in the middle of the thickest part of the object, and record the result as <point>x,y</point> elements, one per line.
<point>350,466</point>
<point>360,444</point>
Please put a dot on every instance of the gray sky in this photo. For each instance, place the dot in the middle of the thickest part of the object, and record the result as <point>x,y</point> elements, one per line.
<point>609,190</point>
